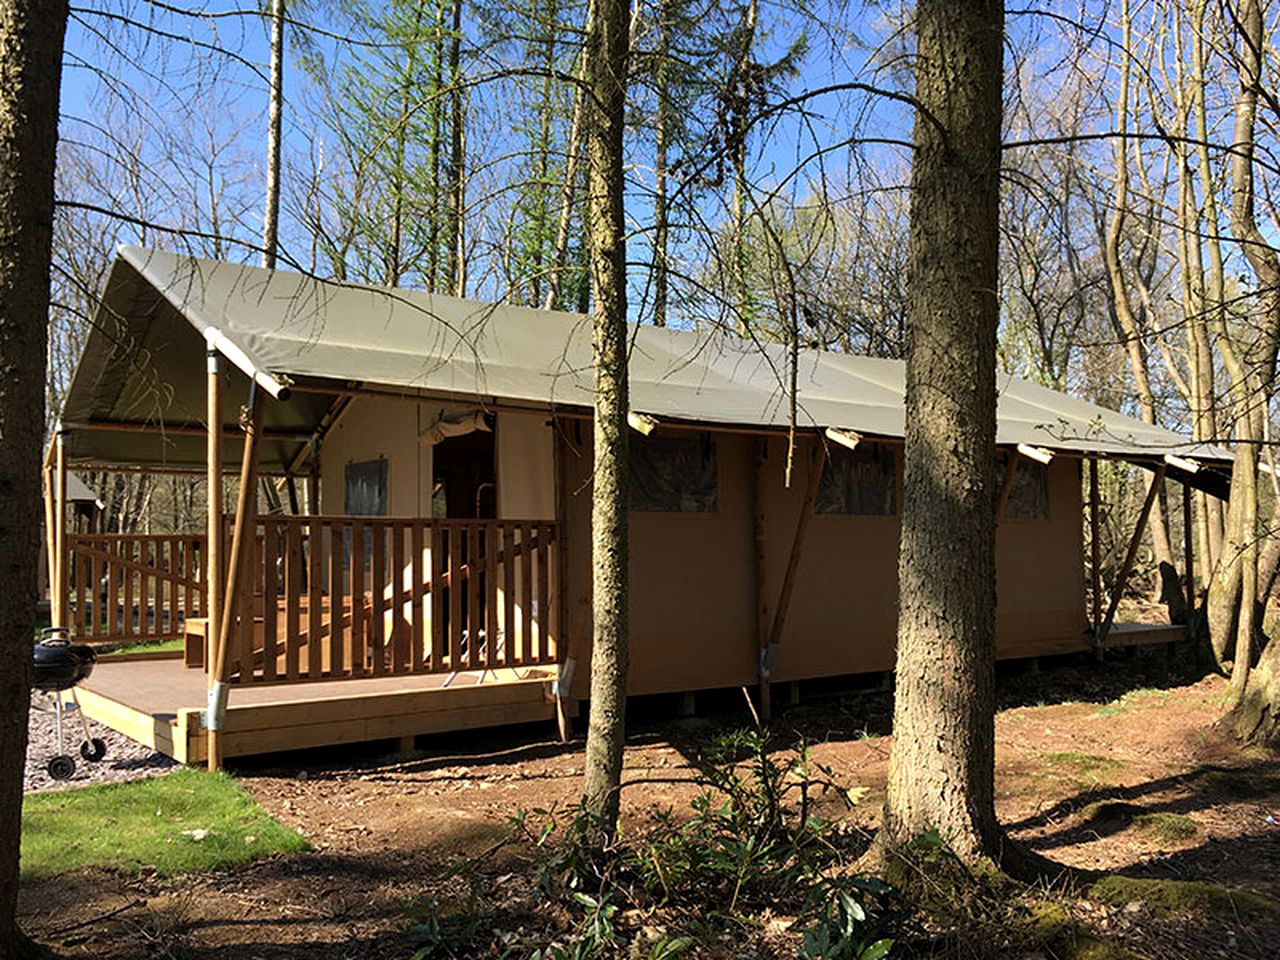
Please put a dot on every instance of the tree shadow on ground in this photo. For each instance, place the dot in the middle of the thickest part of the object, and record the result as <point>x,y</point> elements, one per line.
<point>1198,789</point>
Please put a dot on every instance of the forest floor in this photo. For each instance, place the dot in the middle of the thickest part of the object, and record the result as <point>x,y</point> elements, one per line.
<point>1117,767</point>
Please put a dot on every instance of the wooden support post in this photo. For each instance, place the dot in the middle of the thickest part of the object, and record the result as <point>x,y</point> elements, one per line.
<point>688,704</point>
<point>214,576</point>
<point>1095,548</point>
<point>1011,467</point>
<point>759,515</point>
<point>817,462</point>
<point>1126,568</point>
<point>58,614</point>
<point>1189,554</point>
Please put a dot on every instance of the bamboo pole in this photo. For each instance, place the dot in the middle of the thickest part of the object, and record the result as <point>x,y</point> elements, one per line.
<point>564,646</point>
<point>1011,467</point>
<point>59,613</point>
<point>213,537</point>
<point>50,536</point>
<point>242,538</point>
<point>1095,548</point>
<point>1189,554</point>
<point>817,462</point>
<point>1127,567</point>
<point>759,456</point>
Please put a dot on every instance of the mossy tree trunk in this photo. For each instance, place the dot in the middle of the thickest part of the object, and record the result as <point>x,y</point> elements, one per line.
<point>942,764</point>
<point>31,36</point>
<point>1256,693</point>
<point>606,72</point>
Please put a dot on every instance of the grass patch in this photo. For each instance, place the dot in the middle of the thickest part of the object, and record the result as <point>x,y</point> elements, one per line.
<point>1242,783</point>
<point>150,646</point>
<point>1085,764</point>
<point>1119,706</point>
<point>1162,826</point>
<point>1166,827</point>
<point>186,821</point>
<point>1179,896</point>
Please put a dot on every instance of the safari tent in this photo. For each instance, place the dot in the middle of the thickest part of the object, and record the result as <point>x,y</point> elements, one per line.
<point>437,575</point>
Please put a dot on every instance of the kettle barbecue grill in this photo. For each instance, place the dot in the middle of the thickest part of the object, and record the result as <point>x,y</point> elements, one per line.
<point>61,665</point>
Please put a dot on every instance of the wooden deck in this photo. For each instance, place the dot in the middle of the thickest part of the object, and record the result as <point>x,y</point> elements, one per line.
<point>158,702</point>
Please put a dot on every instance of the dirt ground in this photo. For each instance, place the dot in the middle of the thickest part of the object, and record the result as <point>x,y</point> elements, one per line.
<point>1114,767</point>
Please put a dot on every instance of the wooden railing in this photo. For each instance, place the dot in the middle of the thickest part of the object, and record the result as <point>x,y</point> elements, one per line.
<point>336,597</point>
<point>126,587</point>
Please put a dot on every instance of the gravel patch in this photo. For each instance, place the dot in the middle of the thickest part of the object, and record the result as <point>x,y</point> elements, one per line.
<point>125,759</point>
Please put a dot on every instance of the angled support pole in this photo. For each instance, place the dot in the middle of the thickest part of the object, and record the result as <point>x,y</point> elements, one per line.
<point>1127,567</point>
<point>1189,559</point>
<point>817,463</point>
<point>240,564</point>
<point>1095,547</point>
<point>759,456</point>
<point>60,609</point>
<point>1010,469</point>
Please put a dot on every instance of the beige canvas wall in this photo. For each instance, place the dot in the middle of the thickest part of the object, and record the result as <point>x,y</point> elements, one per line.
<point>375,427</point>
<point>525,467</point>
<point>693,619</point>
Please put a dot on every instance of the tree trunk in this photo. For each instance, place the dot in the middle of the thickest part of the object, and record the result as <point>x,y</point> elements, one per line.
<point>1124,317</point>
<point>455,265</point>
<point>568,185</point>
<point>661,134</point>
<point>1255,709</point>
<point>607,81</point>
<point>271,218</point>
<point>942,763</point>
<point>31,36</point>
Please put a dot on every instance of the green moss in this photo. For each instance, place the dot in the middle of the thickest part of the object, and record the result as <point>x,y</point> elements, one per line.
<point>1168,827</point>
<point>186,821</point>
<point>1087,764</point>
<point>1234,780</point>
<point>1049,926</point>
<point>1178,896</point>
<point>1109,810</point>
<point>1119,706</point>
<point>1077,944</point>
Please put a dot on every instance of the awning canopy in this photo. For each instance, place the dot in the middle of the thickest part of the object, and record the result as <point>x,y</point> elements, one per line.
<point>138,395</point>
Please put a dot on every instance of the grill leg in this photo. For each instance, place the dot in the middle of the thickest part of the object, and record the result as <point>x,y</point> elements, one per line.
<point>84,721</point>
<point>57,719</point>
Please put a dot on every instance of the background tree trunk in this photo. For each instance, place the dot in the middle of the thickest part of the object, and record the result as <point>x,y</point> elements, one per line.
<point>31,35</point>
<point>942,764</point>
<point>275,108</point>
<point>606,61</point>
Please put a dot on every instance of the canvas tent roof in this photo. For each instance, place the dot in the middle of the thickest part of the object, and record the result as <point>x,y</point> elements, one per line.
<point>142,367</point>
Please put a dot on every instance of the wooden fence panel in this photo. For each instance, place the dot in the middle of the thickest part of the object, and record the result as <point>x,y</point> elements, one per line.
<point>346,597</point>
<point>131,587</point>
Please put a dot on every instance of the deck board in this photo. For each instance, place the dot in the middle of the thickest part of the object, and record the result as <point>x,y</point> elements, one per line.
<point>157,702</point>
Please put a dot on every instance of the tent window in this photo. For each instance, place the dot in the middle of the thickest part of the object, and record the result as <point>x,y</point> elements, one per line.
<point>675,473</point>
<point>861,482</point>
<point>1029,494</point>
<point>366,489</point>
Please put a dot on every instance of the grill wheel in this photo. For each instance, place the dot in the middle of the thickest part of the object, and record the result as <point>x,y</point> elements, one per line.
<point>61,767</point>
